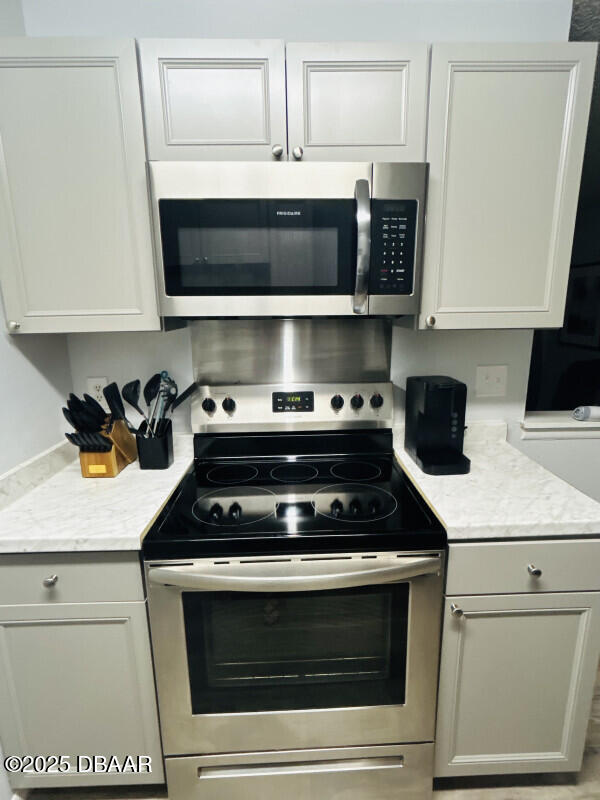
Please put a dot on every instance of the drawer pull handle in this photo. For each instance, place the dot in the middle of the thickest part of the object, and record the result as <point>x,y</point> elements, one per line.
<point>455,610</point>
<point>535,572</point>
<point>50,581</point>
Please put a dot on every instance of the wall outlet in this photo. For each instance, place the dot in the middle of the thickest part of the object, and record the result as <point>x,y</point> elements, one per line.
<point>491,381</point>
<point>94,389</point>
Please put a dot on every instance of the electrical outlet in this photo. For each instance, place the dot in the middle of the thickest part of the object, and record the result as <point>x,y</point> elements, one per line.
<point>491,381</point>
<point>94,389</point>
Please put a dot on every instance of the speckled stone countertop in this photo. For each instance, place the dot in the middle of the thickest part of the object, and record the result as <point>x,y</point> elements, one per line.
<point>506,495</point>
<point>68,513</point>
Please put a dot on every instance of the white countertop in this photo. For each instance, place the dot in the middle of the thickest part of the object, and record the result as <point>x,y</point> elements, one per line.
<point>68,513</point>
<point>506,495</point>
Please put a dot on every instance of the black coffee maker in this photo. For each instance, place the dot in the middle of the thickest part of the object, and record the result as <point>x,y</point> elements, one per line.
<point>435,424</point>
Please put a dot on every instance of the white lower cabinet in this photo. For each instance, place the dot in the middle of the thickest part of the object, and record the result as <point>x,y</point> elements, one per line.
<point>76,680</point>
<point>516,681</point>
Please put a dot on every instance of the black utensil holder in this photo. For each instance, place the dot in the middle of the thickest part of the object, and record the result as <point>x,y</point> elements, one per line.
<point>156,452</point>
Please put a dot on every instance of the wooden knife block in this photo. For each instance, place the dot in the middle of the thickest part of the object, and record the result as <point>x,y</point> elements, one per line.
<point>108,465</point>
<point>102,465</point>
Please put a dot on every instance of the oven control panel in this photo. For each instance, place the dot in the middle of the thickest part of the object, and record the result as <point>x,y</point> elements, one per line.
<point>393,237</point>
<point>324,406</point>
<point>293,401</point>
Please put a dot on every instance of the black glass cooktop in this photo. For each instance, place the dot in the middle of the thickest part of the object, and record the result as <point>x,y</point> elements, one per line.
<point>301,492</point>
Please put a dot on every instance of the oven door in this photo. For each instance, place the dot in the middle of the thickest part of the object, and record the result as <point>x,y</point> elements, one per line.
<point>296,652</point>
<point>254,239</point>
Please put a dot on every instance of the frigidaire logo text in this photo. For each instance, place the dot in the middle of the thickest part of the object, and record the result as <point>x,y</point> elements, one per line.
<point>289,213</point>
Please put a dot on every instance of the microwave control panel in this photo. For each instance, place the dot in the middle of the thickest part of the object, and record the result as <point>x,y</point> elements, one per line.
<point>393,236</point>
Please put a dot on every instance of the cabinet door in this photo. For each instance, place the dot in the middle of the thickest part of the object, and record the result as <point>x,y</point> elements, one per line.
<point>506,136</point>
<point>214,99</point>
<point>75,680</point>
<point>357,101</point>
<point>516,681</point>
<point>75,243</point>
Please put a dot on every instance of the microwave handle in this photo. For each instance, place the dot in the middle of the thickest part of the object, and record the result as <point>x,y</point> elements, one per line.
<point>362,196</point>
<point>293,576</point>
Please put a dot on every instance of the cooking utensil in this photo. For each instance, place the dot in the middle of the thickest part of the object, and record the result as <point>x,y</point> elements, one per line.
<point>167,395</point>
<point>151,389</point>
<point>131,395</point>
<point>69,418</point>
<point>191,389</point>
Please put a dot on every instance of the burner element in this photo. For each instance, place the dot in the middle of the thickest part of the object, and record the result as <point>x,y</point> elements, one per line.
<point>258,503</point>
<point>294,472</point>
<point>355,471</point>
<point>232,473</point>
<point>364,502</point>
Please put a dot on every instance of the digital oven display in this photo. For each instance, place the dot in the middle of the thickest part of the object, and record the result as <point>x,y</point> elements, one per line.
<point>296,401</point>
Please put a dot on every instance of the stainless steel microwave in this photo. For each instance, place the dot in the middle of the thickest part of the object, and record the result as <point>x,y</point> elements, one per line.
<point>237,239</point>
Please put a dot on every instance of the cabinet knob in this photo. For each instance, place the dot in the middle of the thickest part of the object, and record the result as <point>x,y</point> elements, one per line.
<point>430,321</point>
<point>277,150</point>
<point>455,610</point>
<point>50,581</point>
<point>13,325</point>
<point>298,152</point>
<point>534,571</point>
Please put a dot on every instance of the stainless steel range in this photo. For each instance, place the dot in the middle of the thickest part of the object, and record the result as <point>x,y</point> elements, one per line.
<point>295,593</point>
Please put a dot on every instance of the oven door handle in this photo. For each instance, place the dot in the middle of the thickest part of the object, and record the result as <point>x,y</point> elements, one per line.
<point>294,575</point>
<point>362,196</point>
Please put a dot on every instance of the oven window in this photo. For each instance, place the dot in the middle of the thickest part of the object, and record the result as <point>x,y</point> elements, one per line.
<point>300,650</point>
<point>221,247</point>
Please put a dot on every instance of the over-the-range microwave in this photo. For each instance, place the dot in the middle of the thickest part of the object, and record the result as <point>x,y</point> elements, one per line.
<point>240,239</point>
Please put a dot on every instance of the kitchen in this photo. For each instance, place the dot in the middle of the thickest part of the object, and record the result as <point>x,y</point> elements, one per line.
<point>326,348</point>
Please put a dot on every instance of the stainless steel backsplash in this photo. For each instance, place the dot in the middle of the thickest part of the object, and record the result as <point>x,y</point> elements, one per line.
<point>255,351</point>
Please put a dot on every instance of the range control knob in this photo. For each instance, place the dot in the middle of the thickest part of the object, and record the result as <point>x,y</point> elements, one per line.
<point>357,401</point>
<point>337,401</point>
<point>229,405</point>
<point>235,511</point>
<point>376,401</point>
<point>215,513</point>
<point>374,507</point>
<point>337,508</point>
<point>209,405</point>
<point>355,507</point>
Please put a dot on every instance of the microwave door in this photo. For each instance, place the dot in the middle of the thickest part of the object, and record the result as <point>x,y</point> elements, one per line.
<point>261,240</point>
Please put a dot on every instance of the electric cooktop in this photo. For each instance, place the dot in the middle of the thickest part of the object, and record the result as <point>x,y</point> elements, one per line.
<point>292,492</point>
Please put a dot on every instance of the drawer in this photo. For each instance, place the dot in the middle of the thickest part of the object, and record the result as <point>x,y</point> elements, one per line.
<point>502,568</point>
<point>80,578</point>
<point>352,773</point>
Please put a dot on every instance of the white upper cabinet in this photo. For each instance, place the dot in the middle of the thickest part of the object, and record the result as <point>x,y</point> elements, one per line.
<point>214,99</point>
<point>357,101</point>
<point>75,245</point>
<point>506,136</point>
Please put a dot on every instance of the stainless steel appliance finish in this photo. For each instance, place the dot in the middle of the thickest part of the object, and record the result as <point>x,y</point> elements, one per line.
<point>295,581</point>
<point>320,350</point>
<point>252,408</point>
<point>352,773</point>
<point>187,733</point>
<point>377,286</point>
